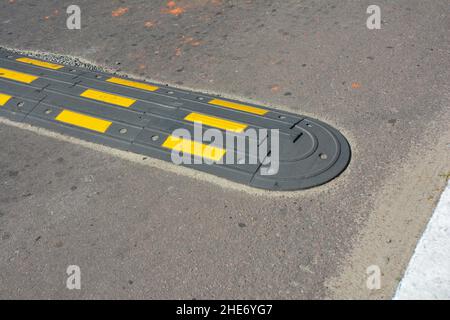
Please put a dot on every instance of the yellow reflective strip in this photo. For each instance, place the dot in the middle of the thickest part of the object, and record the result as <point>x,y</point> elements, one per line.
<point>133,84</point>
<point>216,122</point>
<point>17,76</point>
<point>238,106</point>
<point>39,63</point>
<point>108,97</point>
<point>83,121</point>
<point>4,98</point>
<point>194,148</point>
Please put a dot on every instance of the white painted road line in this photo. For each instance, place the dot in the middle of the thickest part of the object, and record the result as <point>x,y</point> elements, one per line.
<point>428,272</point>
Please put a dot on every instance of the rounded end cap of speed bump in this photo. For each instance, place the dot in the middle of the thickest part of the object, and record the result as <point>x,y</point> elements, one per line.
<point>318,154</point>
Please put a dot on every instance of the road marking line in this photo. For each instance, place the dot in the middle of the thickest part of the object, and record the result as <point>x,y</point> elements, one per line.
<point>17,76</point>
<point>216,122</point>
<point>133,84</point>
<point>428,272</point>
<point>4,98</point>
<point>238,106</point>
<point>83,121</point>
<point>194,148</point>
<point>39,63</point>
<point>108,98</point>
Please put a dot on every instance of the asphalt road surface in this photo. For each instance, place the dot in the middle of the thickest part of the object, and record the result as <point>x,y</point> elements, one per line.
<point>138,229</point>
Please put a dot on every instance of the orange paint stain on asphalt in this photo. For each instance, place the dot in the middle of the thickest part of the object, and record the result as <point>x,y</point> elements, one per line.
<point>176,11</point>
<point>178,7</point>
<point>275,88</point>
<point>356,85</point>
<point>119,12</point>
<point>149,24</point>
<point>193,42</point>
<point>54,14</point>
<point>178,52</point>
<point>173,9</point>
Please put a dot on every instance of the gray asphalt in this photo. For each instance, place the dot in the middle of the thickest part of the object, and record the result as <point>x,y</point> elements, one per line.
<point>138,231</point>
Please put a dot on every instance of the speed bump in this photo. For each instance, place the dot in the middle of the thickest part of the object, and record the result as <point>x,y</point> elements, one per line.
<point>147,118</point>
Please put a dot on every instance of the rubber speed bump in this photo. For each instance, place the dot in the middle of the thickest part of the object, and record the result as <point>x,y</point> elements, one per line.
<point>242,142</point>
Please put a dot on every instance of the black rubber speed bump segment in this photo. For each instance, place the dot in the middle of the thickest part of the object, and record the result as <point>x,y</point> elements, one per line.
<point>143,118</point>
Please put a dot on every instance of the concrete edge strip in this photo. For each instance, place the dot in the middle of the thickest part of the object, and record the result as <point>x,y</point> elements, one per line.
<point>427,276</point>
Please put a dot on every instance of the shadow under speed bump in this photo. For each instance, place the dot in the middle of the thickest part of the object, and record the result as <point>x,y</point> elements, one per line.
<point>246,143</point>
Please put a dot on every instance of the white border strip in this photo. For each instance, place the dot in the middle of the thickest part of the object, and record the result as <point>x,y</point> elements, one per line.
<point>428,272</point>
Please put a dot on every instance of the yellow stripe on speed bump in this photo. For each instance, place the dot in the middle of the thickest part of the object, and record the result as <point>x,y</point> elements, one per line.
<point>39,63</point>
<point>108,97</point>
<point>216,122</point>
<point>238,106</point>
<point>4,98</point>
<point>83,121</point>
<point>133,84</point>
<point>194,148</point>
<point>17,76</point>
